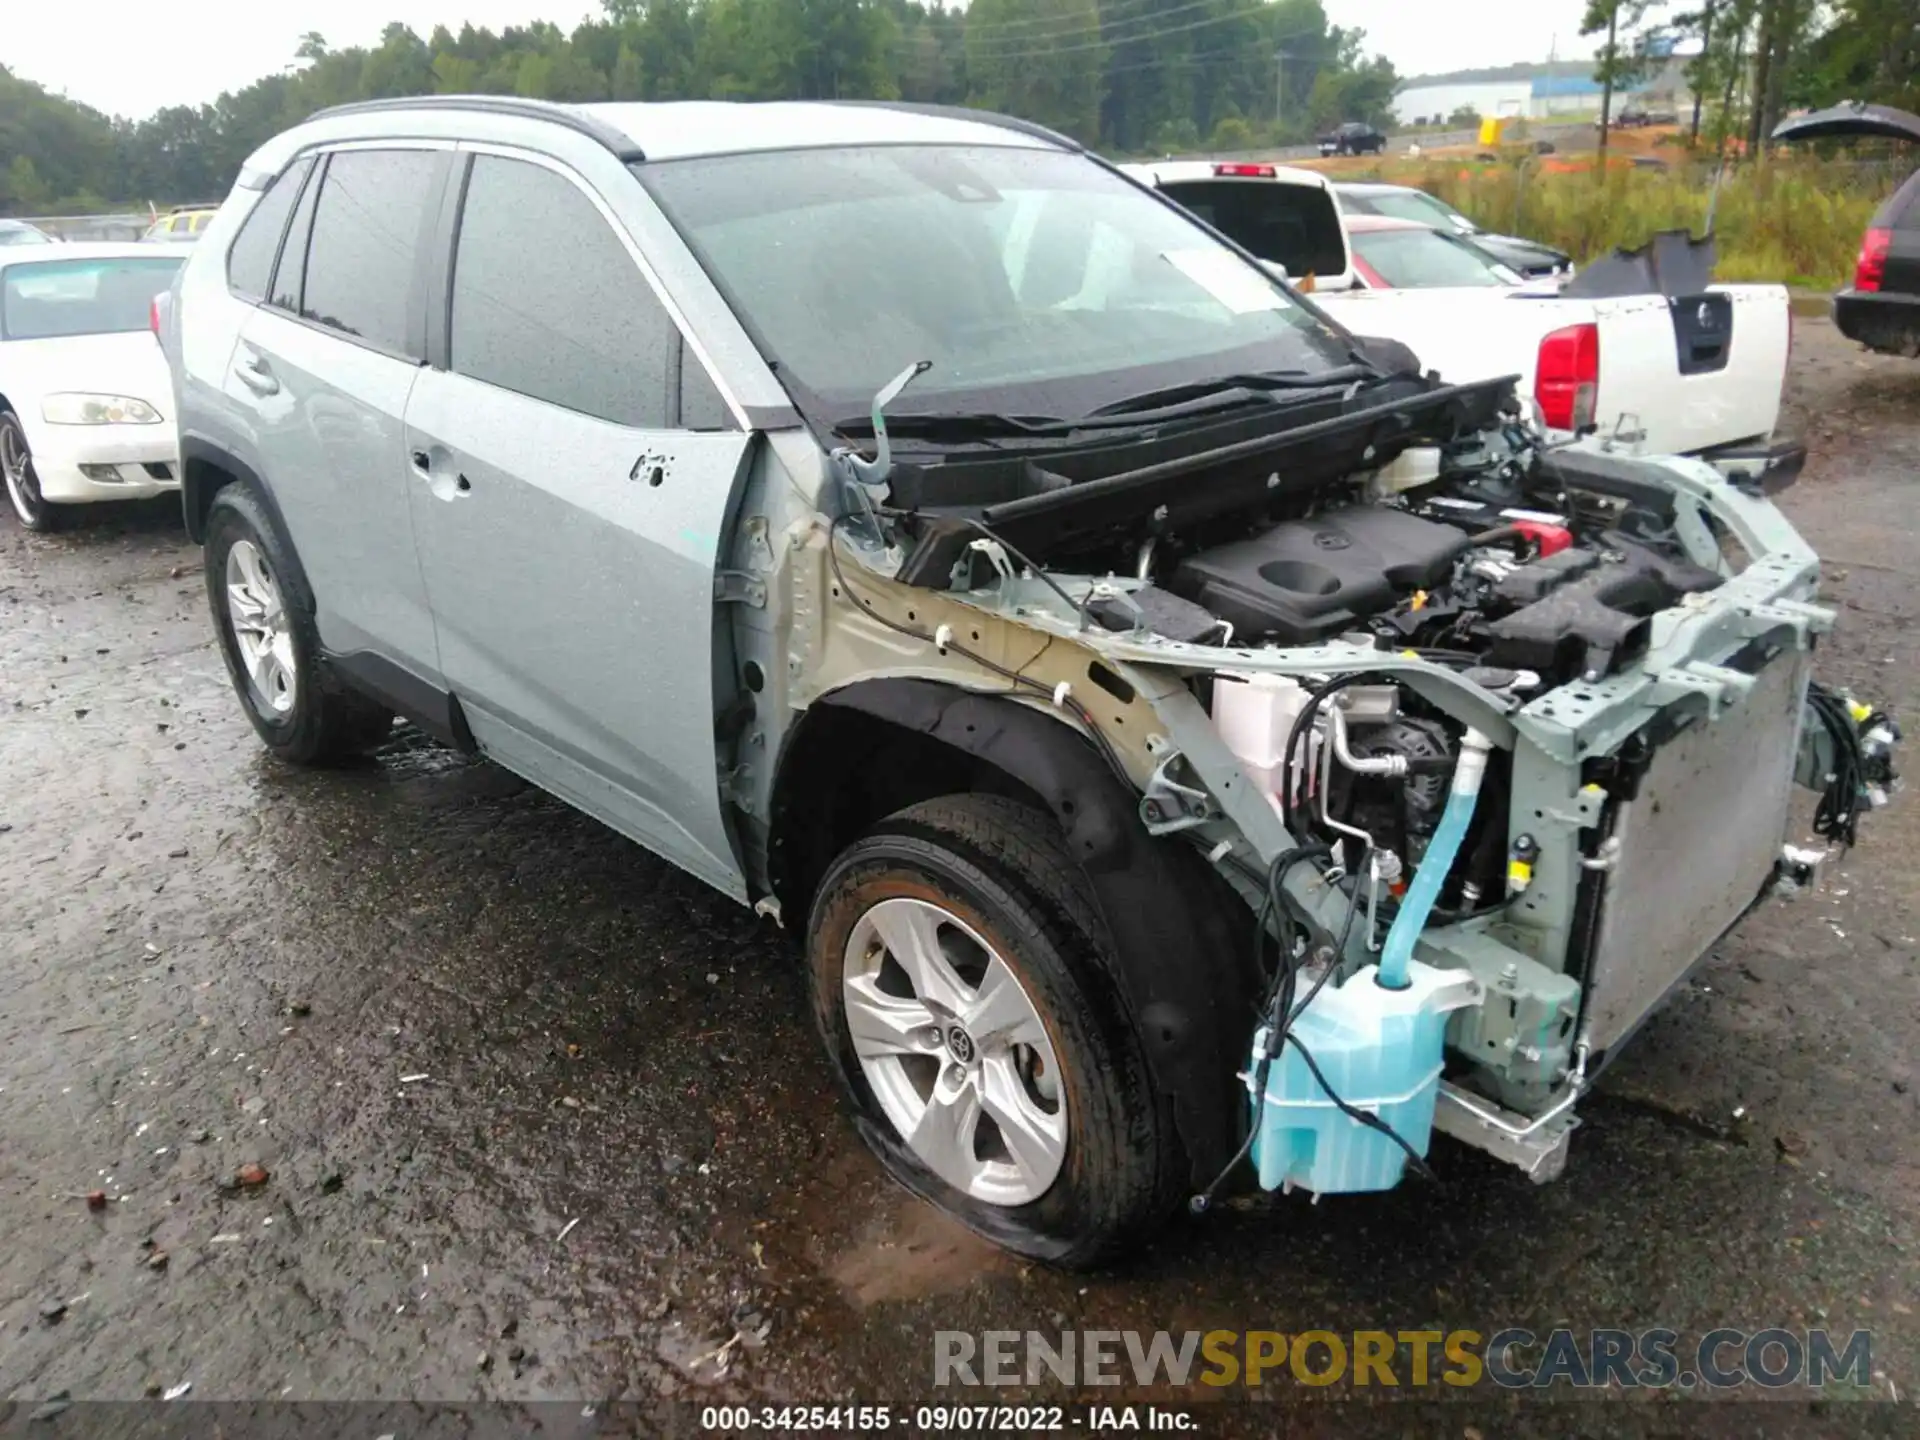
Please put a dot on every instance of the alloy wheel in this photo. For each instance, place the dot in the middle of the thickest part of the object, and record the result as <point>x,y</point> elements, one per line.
<point>955,1051</point>
<point>23,486</point>
<point>262,630</point>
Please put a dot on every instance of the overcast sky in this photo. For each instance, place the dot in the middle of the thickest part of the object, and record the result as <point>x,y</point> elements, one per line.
<point>131,57</point>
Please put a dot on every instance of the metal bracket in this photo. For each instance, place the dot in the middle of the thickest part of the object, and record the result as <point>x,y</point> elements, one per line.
<point>1716,684</point>
<point>1169,806</point>
<point>1539,1149</point>
<point>738,587</point>
<point>736,786</point>
<point>1796,872</point>
<point>1805,618</point>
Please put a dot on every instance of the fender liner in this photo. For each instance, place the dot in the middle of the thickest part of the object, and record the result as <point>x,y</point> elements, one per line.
<point>1183,957</point>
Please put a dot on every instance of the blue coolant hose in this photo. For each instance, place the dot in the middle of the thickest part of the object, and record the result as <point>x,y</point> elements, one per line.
<point>1434,865</point>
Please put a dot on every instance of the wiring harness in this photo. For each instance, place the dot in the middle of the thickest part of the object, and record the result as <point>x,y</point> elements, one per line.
<point>1861,773</point>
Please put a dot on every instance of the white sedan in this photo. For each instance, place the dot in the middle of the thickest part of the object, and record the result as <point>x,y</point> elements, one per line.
<point>85,398</point>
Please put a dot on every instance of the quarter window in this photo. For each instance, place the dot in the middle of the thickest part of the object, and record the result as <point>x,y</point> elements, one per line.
<point>250,261</point>
<point>291,273</point>
<point>548,302</point>
<point>367,231</point>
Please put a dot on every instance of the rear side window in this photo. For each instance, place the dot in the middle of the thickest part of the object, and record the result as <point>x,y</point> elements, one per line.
<point>1902,211</point>
<point>548,302</point>
<point>1415,205</point>
<point>250,261</point>
<point>1297,226</point>
<point>1425,259</point>
<point>367,233</point>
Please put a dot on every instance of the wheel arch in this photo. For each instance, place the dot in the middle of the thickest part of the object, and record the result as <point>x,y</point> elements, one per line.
<point>863,752</point>
<point>206,469</point>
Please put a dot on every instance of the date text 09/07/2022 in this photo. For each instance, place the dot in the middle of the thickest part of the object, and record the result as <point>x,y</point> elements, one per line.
<point>978,1419</point>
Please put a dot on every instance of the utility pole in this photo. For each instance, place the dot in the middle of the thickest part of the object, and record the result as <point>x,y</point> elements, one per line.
<point>1703,70</point>
<point>1606,88</point>
<point>1280,58</point>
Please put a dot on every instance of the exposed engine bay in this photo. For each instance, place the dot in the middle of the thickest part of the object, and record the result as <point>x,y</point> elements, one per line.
<point>1520,723</point>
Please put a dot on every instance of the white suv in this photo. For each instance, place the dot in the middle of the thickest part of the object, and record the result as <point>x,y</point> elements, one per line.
<point>931,537</point>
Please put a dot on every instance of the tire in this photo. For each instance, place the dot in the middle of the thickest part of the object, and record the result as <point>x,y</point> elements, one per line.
<point>299,708</point>
<point>33,510</point>
<point>993,878</point>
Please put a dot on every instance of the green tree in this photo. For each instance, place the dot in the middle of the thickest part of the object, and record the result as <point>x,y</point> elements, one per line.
<point>1622,60</point>
<point>22,191</point>
<point>1870,51</point>
<point>402,65</point>
<point>1038,58</point>
<point>1169,73</point>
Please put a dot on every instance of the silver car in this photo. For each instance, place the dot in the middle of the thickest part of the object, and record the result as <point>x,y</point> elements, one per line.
<point>1175,729</point>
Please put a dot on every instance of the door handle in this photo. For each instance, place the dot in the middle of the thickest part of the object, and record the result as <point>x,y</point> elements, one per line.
<point>255,374</point>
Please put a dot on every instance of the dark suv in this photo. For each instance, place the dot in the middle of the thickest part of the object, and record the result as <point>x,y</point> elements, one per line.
<point>1881,309</point>
<point>1356,137</point>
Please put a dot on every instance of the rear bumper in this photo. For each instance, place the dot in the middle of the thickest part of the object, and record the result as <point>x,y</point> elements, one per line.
<point>79,464</point>
<point>1887,322</point>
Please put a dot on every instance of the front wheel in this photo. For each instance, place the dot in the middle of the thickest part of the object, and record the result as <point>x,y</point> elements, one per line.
<point>964,986</point>
<point>30,507</point>
<point>270,644</point>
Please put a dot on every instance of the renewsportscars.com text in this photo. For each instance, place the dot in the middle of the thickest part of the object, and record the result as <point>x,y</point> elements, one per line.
<point>1510,1358</point>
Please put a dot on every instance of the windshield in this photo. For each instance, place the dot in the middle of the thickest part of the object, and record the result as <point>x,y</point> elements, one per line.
<point>1031,280</point>
<point>1414,205</point>
<point>14,233</point>
<point>51,298</point>
<point>1426,260</point>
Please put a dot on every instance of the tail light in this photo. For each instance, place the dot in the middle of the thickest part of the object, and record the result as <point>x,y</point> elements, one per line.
<point>1567,382</point>
<point>1244,172</point>
<point>153,316</point>
<point>1874,250</point>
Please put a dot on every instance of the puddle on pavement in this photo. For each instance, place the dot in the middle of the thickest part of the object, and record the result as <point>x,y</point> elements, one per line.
<point>910,1251</point>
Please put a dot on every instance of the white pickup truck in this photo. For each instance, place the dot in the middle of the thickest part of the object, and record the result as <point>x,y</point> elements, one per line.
<point>1652,364</point>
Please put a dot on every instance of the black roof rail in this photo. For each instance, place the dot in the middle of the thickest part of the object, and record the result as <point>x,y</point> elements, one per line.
<point>570,116</point>
<point>979,117</point>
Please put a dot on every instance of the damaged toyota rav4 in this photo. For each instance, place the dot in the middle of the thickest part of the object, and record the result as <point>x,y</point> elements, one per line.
<point>1189,742</point>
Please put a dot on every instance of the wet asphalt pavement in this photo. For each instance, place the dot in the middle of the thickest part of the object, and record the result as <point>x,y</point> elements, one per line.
<point>543,1118</point>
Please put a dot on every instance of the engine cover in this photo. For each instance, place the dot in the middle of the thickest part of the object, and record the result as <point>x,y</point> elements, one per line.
<point>1309,580</point>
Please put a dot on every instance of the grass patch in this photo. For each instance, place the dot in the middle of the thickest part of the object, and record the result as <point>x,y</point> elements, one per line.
<point>1793,223</point>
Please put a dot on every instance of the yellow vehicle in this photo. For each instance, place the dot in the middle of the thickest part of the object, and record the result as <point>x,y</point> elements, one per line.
<point>183,222</point>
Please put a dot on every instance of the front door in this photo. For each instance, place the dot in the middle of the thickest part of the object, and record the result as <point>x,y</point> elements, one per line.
<point>569,531</point>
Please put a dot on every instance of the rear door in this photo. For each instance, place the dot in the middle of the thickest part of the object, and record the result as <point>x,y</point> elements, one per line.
<point>322,372</point>
<point>569,522</point>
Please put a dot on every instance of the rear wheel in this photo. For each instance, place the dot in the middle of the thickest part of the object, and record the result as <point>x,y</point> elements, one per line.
<point>271,647</point>
<point>964,987</point>
<point>30,507</point>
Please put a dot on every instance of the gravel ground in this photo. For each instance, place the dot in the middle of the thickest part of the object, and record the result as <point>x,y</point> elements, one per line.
<point>544,1119</point>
